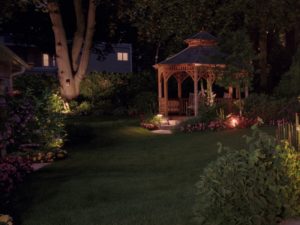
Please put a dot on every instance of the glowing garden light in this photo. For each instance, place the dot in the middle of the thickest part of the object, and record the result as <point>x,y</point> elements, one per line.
<point>234,122</point>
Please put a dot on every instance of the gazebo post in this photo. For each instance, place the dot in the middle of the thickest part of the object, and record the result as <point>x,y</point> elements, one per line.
<point>159,88</point>
<point>195,92</point>
<point>179,94</point>
<point>166,96</point>
<point>209,91</point>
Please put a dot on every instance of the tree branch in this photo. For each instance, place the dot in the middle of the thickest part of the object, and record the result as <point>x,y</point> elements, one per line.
<point>91,22</point>
<point>78,35</point>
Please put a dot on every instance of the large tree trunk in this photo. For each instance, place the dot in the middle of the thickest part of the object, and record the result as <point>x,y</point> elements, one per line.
<point>72,69</point>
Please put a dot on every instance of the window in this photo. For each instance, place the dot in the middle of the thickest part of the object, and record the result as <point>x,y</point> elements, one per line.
<point>122,56</point>
<point>45,59</point>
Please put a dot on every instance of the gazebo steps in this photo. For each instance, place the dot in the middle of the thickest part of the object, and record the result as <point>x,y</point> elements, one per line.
<point>169,125</point>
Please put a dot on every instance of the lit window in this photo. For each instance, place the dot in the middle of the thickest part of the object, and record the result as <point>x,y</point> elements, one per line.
<point>122,56</point>
<point>45,59</point>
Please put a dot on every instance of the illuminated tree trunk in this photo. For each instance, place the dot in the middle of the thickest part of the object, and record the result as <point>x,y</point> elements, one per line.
<point>72,68</point>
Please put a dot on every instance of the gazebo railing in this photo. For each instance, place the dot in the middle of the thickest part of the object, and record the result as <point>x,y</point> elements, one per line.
<point>173,106</point>
<point>185,106</point>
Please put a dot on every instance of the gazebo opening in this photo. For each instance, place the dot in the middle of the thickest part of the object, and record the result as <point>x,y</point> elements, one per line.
<point>172,88</point>
<point>187,87</point>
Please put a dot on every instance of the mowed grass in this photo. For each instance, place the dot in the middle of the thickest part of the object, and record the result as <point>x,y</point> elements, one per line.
<point>121,174</point>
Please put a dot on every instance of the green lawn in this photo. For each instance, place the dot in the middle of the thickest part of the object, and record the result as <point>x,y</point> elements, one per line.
<point>120,174</point>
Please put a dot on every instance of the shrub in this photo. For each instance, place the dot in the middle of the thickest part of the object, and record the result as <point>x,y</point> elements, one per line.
<point>36,120</point>
<point>119,93</point>
<point>13,170</point>
<point>143,103</point>
<point>257,185</point>
<point>37,83</point>
<point>289,83</point>
<point>34,116</point>
<point>84,108</point>
<point>270,108</point>
<point>152,122</point>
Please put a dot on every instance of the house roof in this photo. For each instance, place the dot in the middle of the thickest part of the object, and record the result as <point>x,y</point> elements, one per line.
<point>7,55</point>
<point>202,49</point>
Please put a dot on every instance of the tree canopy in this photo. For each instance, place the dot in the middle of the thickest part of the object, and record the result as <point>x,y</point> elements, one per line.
<point>157,29</point>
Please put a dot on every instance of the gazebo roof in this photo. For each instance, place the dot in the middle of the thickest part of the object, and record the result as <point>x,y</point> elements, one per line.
<point>202,49</point>
<point>196,55</point>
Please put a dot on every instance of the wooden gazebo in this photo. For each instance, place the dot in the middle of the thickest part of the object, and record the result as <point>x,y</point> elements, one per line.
<point>200,60</point>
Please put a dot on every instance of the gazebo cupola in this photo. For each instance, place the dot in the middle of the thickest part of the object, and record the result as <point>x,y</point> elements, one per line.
<point>201,39</point>
<point>199,60</point>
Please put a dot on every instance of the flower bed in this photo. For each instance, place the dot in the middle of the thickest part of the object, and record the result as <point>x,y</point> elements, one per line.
<point>46,156</point>
<point>13,170</point>
<point>231,122</point>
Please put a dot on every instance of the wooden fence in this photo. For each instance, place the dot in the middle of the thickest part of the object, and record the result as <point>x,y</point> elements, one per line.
<point>289,132</point>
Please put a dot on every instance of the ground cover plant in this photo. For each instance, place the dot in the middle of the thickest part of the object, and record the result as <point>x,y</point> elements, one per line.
<point>119,173</point>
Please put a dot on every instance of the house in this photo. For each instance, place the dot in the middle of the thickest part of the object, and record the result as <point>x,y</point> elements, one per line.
<point>10,65</point>
<point>39,61</point>
<point>111,58</point>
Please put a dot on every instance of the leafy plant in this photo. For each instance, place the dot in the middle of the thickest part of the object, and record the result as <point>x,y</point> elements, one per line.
<point>256,185</point>
<point>84,108</point>
<point>152,122</point>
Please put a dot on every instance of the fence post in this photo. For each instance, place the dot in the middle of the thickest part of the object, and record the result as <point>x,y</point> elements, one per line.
<point>297,132</point>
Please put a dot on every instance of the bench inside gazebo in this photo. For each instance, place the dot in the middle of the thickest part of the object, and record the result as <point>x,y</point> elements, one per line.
<point>202,61</point>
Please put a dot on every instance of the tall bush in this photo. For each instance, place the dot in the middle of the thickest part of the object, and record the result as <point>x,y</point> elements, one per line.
<point>36,120</point>
<point>35,115</point>
<point>258,185</point>
<point>289,84</point>
<point>108,93</point>
<point>270,107</point>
